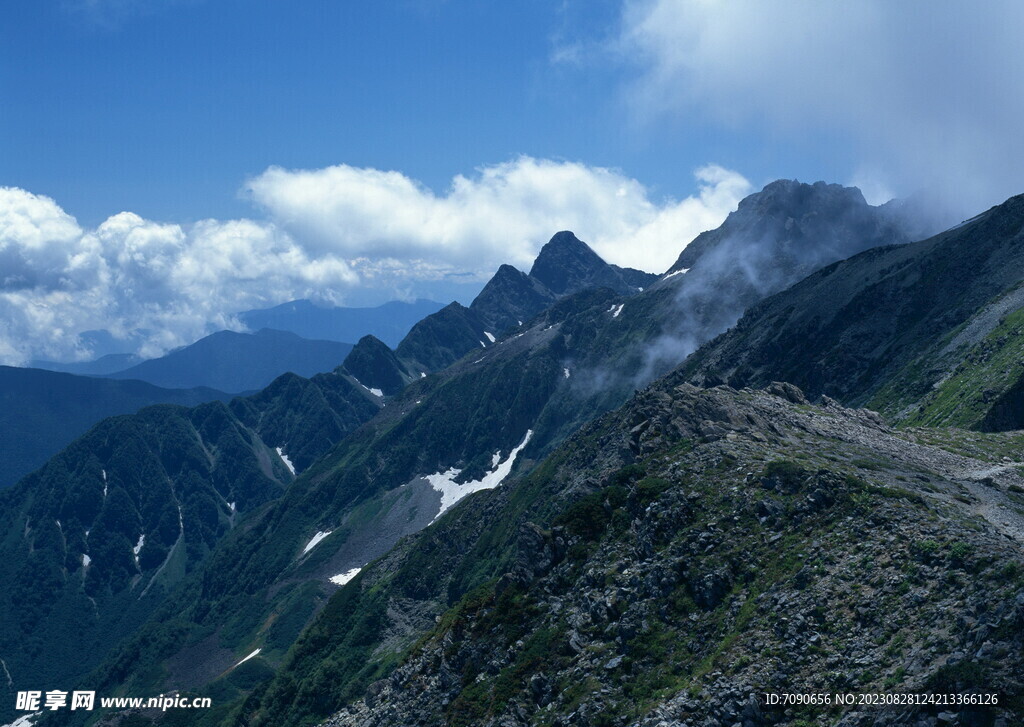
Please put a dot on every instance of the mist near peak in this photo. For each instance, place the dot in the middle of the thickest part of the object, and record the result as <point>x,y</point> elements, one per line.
<point>774,239</point>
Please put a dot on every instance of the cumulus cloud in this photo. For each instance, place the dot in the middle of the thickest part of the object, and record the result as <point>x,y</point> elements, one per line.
<point>326,232</point>
<point>926,93</point>
<point>500,215</point>
<point>160,285</point>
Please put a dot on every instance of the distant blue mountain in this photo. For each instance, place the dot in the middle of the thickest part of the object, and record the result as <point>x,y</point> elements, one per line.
<point>389,322</point>
<point>239,362</point>
<point>108,364</point>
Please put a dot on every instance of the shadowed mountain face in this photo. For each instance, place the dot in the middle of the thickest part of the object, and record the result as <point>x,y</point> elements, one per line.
<point>566,265</point>
<point>442,338</point>
<point>376,367</point>
<point>510,299</point>
<point>95,540</point>
<point>773,239</point>
<point>929,333</point>
<point>41,412</point>
<point>239,362</point>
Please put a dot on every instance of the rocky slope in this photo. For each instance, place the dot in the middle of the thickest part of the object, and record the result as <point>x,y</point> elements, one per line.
<point>681,557</point>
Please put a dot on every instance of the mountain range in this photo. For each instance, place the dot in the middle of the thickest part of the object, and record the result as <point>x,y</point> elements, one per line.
<point>41,412</point>
<point>238,362</point>
<point>226,361</point>
<point>594,496</point>
<point>389,322</point>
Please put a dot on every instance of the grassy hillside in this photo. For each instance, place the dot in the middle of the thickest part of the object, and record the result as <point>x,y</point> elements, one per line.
<point>41,412</point>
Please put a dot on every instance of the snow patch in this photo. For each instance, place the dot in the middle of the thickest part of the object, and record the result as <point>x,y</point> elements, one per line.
<point>231,505</point>
<point>519,322</point>
<point>483,345</point>
<point>495,459</point>
<point>680,271</point>
<point>566,372</point>
<point>138,546</point>
<point>320,535</point>
<point>24,721</point>
<point>375,392</point>
<point>452,492</point>
<point>343,578</point>
<point>9,680</point>
<point>86,560</point>
<point>248,657</point>
<point>284,458</point>
<point>617,309</point>
<point>490,336</point>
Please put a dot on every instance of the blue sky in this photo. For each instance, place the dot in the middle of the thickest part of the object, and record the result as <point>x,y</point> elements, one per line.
<point>166,164</point>
<point>165,108</point>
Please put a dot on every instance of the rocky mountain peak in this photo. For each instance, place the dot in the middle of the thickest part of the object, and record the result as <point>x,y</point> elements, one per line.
<point>566,265</point>
<point>510,298</point>
<point>811,224</point>
<point>791,195</point>
<point>375,366</point>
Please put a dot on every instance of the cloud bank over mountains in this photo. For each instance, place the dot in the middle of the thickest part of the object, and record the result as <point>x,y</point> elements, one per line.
<point>501,215</point>
<point>921,93</point>
<point>323,234</point>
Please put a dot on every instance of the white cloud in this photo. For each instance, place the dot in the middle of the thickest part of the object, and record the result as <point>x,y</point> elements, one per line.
<point>926,93</point>
<point>503,214</point>
<point>160,285</point>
